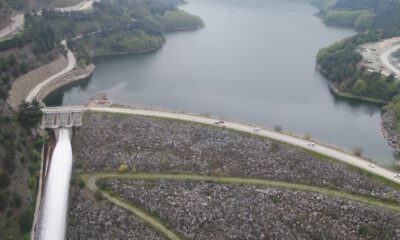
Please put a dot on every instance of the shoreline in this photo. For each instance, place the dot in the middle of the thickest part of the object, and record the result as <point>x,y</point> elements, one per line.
<point>339,93</point>
<point>114,54</point>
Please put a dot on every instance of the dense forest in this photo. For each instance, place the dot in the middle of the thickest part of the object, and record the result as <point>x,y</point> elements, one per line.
<point>125,26</point>
<point>375,20</point>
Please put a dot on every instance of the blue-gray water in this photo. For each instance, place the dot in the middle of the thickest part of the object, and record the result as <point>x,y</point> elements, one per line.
<point>255,62</point>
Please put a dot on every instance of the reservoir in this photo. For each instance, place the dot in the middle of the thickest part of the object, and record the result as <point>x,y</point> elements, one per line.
<point>253,62</point>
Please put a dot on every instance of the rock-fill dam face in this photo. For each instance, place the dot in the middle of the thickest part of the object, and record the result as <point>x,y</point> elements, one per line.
<point>54,209</point>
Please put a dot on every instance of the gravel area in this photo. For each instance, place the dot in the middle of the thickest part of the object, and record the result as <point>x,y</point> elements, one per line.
<point>158,145</point>
<point>215,211</point>
<point>89,219</point>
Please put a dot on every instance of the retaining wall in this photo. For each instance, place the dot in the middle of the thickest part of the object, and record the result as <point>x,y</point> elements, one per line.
<point>65,79</point>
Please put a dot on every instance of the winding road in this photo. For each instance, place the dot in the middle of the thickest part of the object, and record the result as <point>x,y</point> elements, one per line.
<point>85,5</point>
<point>384,58</point>
<point>17,21</point>
<point>71,64</point>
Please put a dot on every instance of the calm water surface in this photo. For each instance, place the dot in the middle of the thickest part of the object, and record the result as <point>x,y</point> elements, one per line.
<point>255,62</point>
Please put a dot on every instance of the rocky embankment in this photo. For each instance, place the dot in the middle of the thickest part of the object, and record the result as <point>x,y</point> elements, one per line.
<point>91,220</point>
<point>215,211</point>
<point>158,145</point>
<point>389,130</point>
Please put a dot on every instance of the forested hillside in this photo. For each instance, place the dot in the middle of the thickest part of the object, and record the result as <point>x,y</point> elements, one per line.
<point>375,19</point>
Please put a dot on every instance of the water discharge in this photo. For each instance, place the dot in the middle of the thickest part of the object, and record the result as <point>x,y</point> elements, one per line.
<point>54,209</point>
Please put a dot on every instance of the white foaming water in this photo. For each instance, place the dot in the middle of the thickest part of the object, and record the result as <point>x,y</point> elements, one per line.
<point>54,209</point>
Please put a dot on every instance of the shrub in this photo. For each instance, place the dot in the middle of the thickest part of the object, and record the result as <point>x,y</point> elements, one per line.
<point>3,200</point>
<point>102,185</point>
<point>358,151</point>
<point>4,180</point>
<point>123,168</point>
<point>35,155</point>
<point>278,128</point>
<point>81,183</point>
<point>274,146</point>
<point>25,220</point>
<point>98,195</point>
<point>16,200</point>
<point>307,136</point>
<point>218,172</point>
<point>134,170</point>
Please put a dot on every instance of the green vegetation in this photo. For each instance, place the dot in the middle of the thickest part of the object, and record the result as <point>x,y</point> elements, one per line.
<point>121,26</point>
<point>178,20</point>
<point>123,168</point>
<point>377,19</point>
<point>345,18</point>
<point>29,114</point>
<point>129,41</point>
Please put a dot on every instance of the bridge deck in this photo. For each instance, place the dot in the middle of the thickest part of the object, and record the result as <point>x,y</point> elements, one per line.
<point>62,117</point>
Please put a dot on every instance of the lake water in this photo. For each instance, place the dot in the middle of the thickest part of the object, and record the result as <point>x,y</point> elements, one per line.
<point>254,62</point>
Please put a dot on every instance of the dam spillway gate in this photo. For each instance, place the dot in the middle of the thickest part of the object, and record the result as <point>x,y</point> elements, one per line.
<point>62,117</point>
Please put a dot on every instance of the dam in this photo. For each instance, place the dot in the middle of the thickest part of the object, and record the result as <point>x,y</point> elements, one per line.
<point>56,175</point>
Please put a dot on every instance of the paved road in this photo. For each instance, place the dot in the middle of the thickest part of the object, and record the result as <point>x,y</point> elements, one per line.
<point>17,21</point>
<point>85,5</point>
<point>319,148</point>
<point>71,64</point>
<point>385,56</point>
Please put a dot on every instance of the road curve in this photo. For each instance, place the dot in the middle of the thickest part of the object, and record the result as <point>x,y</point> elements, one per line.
<point>71,64</point>
<point>319,148</point>
<point>85,5</point>
<point>384,58</point>
<point>17,21</point>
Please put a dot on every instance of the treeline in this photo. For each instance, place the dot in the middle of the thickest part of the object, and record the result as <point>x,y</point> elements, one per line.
<point>339,62</point>
<point>128,41</point>
<point>377,19</point>
<point>20,157</point>
<point>361,14</point>
<point>37,31</point>
<point>178,20</point>
<point>122,25</point>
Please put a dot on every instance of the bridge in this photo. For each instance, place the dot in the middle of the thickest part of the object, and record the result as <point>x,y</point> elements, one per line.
<point>62,117</point>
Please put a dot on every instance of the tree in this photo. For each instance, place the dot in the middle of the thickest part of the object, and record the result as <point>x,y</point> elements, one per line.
<point>359,87</point>
<point>25,221</point>
<point>29,114</point>
<point>4,180</point>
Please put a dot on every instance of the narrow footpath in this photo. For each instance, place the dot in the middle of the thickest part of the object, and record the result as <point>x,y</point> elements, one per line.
<point>90,181</point>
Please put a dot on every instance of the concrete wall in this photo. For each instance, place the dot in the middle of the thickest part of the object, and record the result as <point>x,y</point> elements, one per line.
<point>21,87</point>
<point>66,79</point>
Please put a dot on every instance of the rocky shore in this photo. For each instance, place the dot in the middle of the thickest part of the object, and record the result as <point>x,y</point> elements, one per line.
<point>91,220</point>
<point>158,145</point>
<point>215,211</point>
<point>389,130</point>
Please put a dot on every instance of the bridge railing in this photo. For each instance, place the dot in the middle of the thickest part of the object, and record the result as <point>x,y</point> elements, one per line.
<point>67,117</point>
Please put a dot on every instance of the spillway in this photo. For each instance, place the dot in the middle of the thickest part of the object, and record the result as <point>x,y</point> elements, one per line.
<point>54,209</point>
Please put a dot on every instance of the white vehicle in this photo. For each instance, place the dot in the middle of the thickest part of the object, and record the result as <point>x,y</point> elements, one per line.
<point>256,129</point>
<point>371,165</point>
<point>397,175</point>
<point>311,144</point>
